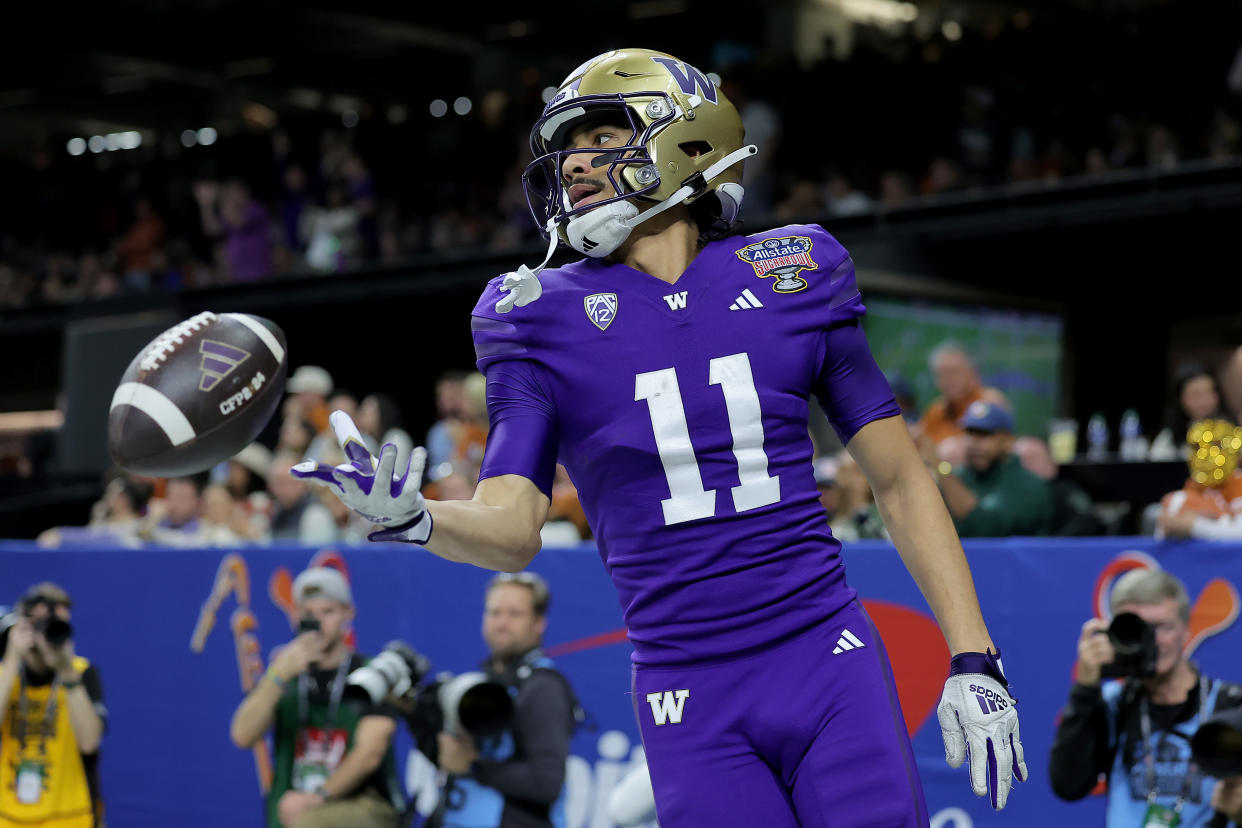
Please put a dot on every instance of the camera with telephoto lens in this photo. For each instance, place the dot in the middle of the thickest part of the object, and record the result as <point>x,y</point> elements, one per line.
<point>1134,642</point>
<point>1217,744</point>
<point>309,623</point>
<point>469,703</point>
<point>56,630</point>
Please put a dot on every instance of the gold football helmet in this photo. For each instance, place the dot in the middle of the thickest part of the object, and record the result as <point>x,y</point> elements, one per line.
<point>687,146</point>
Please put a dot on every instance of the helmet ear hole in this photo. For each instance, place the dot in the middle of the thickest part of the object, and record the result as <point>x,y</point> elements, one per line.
<point>695,148</point>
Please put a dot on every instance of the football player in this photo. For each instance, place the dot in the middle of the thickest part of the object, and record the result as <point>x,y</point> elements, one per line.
<point>670,370</point>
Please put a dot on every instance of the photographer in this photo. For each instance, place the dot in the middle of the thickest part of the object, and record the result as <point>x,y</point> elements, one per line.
<point>1138,731</point>
<point>526,764</point>
<point>334,764</point>
<point>52,719</point>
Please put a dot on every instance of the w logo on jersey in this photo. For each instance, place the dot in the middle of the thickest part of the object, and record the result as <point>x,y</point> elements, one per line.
<point>667,706</point>
<point>219,360</point>
<point>688,78</point>
<point>601,309</point>
<point>783,258</point>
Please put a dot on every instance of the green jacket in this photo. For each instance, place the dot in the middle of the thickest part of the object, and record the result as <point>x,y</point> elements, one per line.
<point>1012,501</point>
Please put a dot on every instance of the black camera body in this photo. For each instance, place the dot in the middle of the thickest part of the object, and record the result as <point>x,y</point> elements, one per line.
<point>1217,744</point>
<point>57,631</point>
<point>469,703</point>
<point>1134,642</point>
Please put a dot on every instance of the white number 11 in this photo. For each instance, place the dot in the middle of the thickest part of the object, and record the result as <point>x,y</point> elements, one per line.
<point>688,499</point>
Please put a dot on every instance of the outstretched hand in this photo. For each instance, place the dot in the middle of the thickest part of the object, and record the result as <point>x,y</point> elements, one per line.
<point>371,487</point>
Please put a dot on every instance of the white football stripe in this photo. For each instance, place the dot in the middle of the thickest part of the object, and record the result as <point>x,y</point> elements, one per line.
<point>261,332</point>
<point>156,406</point>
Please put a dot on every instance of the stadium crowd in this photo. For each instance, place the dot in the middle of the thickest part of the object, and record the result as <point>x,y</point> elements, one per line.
<point>302,194</point>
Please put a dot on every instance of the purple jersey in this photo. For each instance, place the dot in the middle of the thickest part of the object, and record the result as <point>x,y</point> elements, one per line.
<point>680,412</point>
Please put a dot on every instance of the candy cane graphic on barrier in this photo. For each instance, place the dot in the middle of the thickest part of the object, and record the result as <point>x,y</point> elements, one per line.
<point>233,578</point>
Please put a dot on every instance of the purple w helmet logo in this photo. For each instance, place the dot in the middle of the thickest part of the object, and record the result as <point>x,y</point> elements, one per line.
<point>219,360</point>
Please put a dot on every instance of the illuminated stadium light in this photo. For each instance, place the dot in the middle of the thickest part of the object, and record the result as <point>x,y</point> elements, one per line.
<point>462,105</point>
<point>439,108</point>
<point>113,141</point>
<point>951,29</point>
<point>548,92</point>
<point>96,144</point>
<point>207,136</point>
<point>349,118</point>
<point>397,114</point>
<point>76,146</point>
<point>878,11</point>
<point>131,140</point>
<point>188,137</point>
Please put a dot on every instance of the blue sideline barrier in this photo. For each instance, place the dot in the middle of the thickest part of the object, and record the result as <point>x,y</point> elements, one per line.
<point>173,632</point>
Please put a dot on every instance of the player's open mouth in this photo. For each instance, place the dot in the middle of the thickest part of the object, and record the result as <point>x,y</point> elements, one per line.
<point>579,193</point>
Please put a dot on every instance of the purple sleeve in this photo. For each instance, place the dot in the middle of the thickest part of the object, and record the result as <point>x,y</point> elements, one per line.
<point>850,386</point>
<point>522,439</point>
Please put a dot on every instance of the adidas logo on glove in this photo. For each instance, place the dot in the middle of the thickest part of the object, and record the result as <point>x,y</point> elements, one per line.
<point>989,700</point>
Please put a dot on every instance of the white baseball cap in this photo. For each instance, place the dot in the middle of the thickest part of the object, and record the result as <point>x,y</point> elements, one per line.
<point>322,581</point>
<point>311,379</point>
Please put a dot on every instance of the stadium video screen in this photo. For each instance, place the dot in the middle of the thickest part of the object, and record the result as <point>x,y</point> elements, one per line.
<point>1018,352</point>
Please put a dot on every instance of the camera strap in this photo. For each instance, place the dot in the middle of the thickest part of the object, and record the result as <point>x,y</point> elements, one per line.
<point>47,725</point>
<point>1149,758</point>
<point>334,695</point>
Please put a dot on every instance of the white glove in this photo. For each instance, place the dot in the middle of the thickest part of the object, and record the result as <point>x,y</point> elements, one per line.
<point>979,723</point>
<point>371,488</point>
<point>522,287</point>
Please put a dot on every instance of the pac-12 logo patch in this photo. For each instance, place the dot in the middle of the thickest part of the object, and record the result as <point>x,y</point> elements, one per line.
<point>782,258</point>
<point>601,309</point>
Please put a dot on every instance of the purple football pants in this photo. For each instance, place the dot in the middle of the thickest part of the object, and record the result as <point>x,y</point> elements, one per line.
<point>808,733</point>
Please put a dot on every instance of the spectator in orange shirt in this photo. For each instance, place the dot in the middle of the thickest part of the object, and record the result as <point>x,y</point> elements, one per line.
<point>1210,504</point>
<point>142,239</point>
<point>959,384</point>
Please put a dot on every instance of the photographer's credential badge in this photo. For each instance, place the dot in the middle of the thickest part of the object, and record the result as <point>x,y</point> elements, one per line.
<point>29,781</point>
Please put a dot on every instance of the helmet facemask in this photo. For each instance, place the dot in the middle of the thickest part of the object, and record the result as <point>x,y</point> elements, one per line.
<point>630,169</point>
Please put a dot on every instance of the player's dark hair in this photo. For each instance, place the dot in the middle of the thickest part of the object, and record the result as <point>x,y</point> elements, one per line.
<point>705,211</point>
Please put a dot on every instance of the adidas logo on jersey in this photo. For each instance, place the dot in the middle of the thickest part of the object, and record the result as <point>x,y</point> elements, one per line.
<point>747,301</point>
<point>989,700</point>
<point>847,641</point>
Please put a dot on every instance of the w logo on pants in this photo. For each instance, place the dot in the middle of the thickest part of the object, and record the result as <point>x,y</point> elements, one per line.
<point>667,706</point>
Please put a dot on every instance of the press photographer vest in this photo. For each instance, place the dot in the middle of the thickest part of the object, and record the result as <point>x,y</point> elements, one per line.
<point>1171,772</point>
<point>469,804</point>
<point>43,780</point>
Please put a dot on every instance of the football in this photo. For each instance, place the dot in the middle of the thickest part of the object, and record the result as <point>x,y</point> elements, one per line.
<point>197,394</point>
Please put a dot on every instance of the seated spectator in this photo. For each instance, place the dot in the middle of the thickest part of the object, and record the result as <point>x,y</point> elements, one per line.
<point>959,384</point>
<point>178,516</point>
<point>297,515</point>
<point>246,478</point>
<point>1193,396</point>
<point>137,247</point>
<point>825,470</point>
<point>330,233</point>
<point>379,420</point>
<point>857,517</point>
<point>116,519</point>
<point>992,495</point>
<point>310,386</point>
<point>223,522</point>
<point>1210,504</point>
<point>1231,378</point>
<point>1072,512</point>
<point>441,442</point>
<point>296,438</point>
<point>565,506</point>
